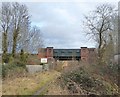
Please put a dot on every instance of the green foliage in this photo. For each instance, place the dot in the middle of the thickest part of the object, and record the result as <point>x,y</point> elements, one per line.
<point>19,63</point>
<point>23,56</point>
<point>11,59</point>
<point>4,45</point>
<point>5,58</point>
<point>9,69</point>
<point>14,64</point>
<point>6,68</point>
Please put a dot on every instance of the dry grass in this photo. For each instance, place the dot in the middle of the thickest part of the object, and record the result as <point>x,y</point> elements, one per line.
<point>0,87</point>
<point>27,85</point>
<point>56,89</point>
<point>31,83</point>
<point>63,65</point>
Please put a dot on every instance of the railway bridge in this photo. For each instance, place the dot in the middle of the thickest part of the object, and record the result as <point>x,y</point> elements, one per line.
<point>82,53</point>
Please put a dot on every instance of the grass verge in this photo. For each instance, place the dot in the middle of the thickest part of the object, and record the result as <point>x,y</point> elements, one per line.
<point>27,85</point>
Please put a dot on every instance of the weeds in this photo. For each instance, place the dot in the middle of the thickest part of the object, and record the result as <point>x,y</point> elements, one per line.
<point>85,78</point>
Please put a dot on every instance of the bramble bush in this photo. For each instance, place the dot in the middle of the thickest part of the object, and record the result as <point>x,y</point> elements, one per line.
<point>92,84</point>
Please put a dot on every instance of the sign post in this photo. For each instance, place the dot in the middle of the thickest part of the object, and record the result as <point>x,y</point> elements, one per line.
<point>43,60</point>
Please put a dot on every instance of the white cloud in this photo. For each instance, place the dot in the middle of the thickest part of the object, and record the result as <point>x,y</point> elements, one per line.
<point>65,15</point>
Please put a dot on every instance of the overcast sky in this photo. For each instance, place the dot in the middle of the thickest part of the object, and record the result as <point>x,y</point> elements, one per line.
<point>61,22</point>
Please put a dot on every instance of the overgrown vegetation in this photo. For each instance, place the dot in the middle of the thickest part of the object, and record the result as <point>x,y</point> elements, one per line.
<point>28,84</point>
<point>58,66</point>
<point>13,70</point>
<point>15,66</point>
<point>91,80</point>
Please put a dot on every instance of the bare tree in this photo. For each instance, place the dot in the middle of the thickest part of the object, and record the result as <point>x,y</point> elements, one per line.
<point>5,25</point>
<point>36,39</point>
<point>24,36</point>
<point>17,31</point>
<point>100,27</point>
<point>31,40</point>
<point>19,15</point>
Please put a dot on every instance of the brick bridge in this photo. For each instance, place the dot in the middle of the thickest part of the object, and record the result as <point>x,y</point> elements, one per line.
<point>84,54</point>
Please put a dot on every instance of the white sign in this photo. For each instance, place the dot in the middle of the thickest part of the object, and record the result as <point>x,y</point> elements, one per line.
<point>43,60</point>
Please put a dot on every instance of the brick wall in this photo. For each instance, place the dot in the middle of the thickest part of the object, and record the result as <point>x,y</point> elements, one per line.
<point>84,54</point>
<point>92,55</point>
<point>42,53</point>
<point>88,54</point>
<point>49,52</point>
<point>45,52</point>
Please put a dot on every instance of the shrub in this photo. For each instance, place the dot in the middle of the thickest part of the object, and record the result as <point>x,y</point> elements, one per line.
<point>17,62</point>
<point>23,56</point>
<point>87,82</point>
<point>14,66</point>
<point>81,77</point>
<point>6,68</point>
<point>5,58</point>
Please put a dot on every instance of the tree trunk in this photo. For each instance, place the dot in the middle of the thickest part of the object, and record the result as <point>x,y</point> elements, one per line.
<point>4,46</point>
<point>99,48</point>
<point>15,35</point>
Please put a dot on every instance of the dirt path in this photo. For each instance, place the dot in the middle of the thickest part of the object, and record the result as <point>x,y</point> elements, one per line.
<point>52,87</point>
<point>28,85</point>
